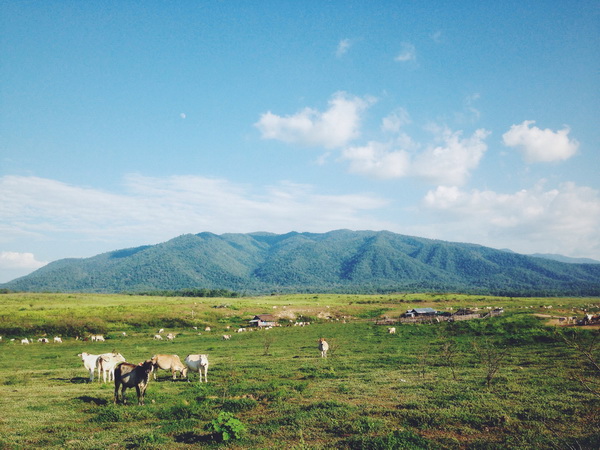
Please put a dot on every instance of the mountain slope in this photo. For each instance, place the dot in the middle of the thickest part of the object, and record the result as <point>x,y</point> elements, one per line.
<point>338,261</point>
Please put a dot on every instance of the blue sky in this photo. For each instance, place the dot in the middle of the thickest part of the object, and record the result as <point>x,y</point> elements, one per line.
<point>129,123</point>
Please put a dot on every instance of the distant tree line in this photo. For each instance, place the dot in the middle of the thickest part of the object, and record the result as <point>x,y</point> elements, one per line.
<point>191,293</point>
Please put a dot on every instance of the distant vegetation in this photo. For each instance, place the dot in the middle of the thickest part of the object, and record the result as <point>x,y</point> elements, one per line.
<point>337,262</point>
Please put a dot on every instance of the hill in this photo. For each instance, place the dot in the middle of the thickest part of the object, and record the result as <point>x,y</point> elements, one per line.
<point>337,261</point>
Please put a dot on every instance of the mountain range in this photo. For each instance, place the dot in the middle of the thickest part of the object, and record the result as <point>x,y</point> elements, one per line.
<point>340,261</point>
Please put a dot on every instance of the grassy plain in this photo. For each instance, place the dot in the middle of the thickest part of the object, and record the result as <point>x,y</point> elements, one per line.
<point>427,386</point>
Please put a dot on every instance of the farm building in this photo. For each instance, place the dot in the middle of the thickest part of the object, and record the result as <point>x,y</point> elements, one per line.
<point>420,312</point>
<point>264,320</point>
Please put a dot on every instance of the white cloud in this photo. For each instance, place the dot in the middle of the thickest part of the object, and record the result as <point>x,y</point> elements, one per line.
<point>182,115</point>
<point>539,145</point>
<point>332,128</point>
<point>16,260</point>
<point>154,209</point>
<point>377,160</point>
<point>343,47</point>
<point>561,220</point>
<point>407,53</point>
<point>393,122</point>
<point>452,162</point>
<point>449,164</point>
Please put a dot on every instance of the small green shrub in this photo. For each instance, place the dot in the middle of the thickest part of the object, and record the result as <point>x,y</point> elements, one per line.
<point>226,427</point>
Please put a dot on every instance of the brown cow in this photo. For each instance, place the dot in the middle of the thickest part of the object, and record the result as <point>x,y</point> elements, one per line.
<point>131,375</point>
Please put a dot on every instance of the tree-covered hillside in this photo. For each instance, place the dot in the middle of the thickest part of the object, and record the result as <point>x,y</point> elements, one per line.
<point>338,261</point>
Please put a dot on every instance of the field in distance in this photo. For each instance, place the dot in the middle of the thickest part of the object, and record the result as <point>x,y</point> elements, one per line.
<point>514,381</point>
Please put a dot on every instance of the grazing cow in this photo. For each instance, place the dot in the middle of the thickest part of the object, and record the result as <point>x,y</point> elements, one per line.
<point>207,329</point>
<point>57,340</point>
<point>170,336</point>
<point>97,338</point>
<point>157,337</point>
<point>89,362</point>
<point>106,364</point>
<point>162,330</point>
<point>169,362</point>
<point>197,363</point>
<point>226,337</point>
<point>43,340</point>
<point>323,347</point>
<point>392,330</point>
<point>24,341</point>
<point>129,375</point>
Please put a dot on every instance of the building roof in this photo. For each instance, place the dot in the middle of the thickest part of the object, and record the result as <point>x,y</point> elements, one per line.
<point>423,310</point>
<point>265,318</point>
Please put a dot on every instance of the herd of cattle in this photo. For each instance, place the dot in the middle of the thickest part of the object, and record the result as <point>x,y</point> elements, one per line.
<point>113,367</point>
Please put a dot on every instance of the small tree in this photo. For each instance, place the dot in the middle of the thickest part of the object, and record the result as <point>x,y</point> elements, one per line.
<point>492,357</point>
<point>449,352</point>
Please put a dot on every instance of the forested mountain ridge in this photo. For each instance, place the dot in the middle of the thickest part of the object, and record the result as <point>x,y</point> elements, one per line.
<point>337,261</point>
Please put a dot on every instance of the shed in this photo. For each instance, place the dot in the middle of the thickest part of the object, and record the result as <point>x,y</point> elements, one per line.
<point>419,312</point>
<point>264,320</point>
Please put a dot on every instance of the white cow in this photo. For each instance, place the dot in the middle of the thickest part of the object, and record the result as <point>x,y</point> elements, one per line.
<point>106,363</point>
<point>392,330</point>
<point>169,362</point>
<point>89,362</point>
<point>323,347</point>
<point>97,338</point>
<point>24,341</point>
<point>226,337</point>
<point>157,337</point>
<point>197,363</point>
<point>170,336</point>
<point>43,340</point>
<point>57,340</point>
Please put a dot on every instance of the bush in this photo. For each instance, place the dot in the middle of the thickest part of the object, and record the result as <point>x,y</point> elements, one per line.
<point>226,427</point>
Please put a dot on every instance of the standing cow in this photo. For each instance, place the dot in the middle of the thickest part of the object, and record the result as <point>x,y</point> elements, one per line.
<point>323,347</point>
<point>198,363</point>
<point>169,362</point>
<point>129,375</point>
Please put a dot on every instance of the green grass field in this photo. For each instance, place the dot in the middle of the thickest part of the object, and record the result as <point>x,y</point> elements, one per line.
<point>506,382</point>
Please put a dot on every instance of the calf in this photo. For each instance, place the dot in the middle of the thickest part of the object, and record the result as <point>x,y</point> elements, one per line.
<point>131,375</point>
<point>197,363</point>
<point>169,362</point>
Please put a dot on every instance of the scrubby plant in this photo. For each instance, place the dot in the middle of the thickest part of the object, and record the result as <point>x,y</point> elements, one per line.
<point>226,427</point>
